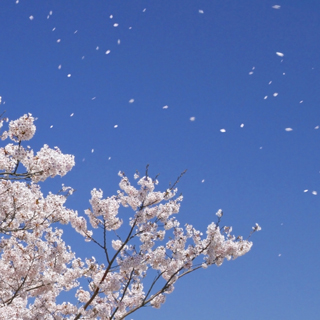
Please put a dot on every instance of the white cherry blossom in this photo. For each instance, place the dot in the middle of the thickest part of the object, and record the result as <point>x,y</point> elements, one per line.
<point>37,266</point>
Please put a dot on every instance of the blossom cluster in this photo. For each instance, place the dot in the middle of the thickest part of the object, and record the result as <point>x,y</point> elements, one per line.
<point>46,163</point>
<point>37,266</point>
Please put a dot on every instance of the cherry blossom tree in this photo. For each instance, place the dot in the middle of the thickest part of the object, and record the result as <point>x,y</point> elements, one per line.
<point>36,265</point>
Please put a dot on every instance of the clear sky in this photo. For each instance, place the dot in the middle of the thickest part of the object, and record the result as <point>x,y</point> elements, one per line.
<point>118,83</point>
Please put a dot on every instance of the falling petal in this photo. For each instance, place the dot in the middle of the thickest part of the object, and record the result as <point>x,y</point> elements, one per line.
<point>279,255</point>
<point>260,148</point>
<point>75,31</point>
<point>317,127</point>
<point>54,29</point>
<point>131,100</point>
<point>251,72</point>
<point>275,94</point>
<point>108,51</point>
<point>59,66</point>
<point>116,25</point>
<point>276,6</point>
<point>71,115</point>
<point>165,107</point>
<point>59,40</point>
<point>115,126</point>
<point>69,75</point>
<point>265,97</point>
<point>118,41</point>
<point>288,129</point>
<point>270,82</point>
<point>314,193</point>
<point>280,54</point>
<point>301,101</point>
<point>144,10</point>
<point>92,150</point>
<point>94,98</point>
<point>111,16</point>
<point>51,126</point>
<point>202,181</point>
<point>192,118</point>
<point>200,11</point>
<point>283,73</point>
<point>97,48</point>
<point>109,158</point>
<point>31,17</point>
<point>241,125</point>
<point>223,130</point>
<point>306,190</point>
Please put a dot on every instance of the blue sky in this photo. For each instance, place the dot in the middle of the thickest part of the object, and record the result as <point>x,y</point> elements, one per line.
<point>167,53</point>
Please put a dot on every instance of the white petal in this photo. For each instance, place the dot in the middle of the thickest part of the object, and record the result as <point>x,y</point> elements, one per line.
<point>280,54</point>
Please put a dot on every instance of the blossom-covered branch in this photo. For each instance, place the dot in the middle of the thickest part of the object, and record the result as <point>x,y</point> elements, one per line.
<point>141,265</point>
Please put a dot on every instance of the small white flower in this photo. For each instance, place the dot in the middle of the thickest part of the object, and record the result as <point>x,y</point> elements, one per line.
<point>219,213</point>
<point>256,227</point>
